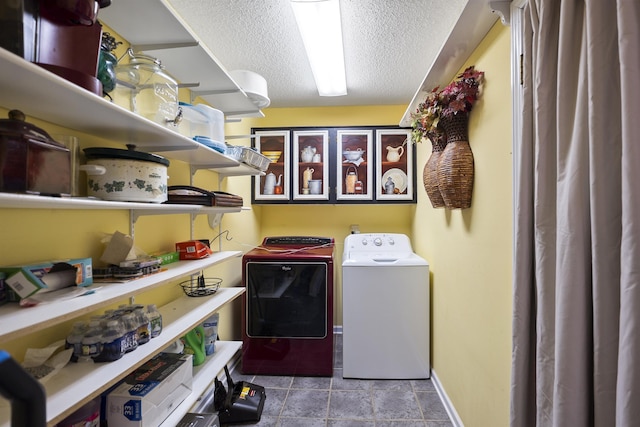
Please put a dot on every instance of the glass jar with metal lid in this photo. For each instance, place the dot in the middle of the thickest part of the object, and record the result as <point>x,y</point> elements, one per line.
<point>144,87</point>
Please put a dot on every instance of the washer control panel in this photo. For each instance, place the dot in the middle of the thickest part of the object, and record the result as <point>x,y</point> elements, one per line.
<point>376,242</point>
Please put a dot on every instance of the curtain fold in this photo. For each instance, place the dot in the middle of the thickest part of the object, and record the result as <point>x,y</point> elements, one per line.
<point>576,296</point>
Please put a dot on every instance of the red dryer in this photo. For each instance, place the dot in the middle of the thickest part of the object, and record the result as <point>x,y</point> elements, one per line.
<point>287,316</point>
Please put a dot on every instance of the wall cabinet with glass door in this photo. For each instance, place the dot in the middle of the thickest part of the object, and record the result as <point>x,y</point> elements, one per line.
<point>335,165</point>
<point>395,165</point>
<point>275,184</point>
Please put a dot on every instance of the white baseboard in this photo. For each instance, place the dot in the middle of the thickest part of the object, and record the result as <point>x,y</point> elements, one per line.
<point>448,405</point>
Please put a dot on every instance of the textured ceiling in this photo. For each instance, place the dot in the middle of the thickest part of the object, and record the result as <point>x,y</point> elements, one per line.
<point>389,45</point>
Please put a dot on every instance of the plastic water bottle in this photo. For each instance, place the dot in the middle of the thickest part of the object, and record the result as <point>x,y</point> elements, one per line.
<point>131,331</point>
<point>74,339</point>
<point>91,342</point>
<point>211,333</point>
<point>155,320</point>
<point>113,342</point>
<point>144,329</point>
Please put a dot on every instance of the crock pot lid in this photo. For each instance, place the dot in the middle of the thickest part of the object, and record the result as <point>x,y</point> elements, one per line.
<point>130,154</point>
<point>16,125</point>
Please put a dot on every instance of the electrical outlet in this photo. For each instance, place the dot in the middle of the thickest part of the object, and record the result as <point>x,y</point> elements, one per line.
<point>355,229</point>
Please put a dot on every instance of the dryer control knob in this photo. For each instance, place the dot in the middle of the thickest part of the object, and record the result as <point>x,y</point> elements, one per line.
<point>364,242</point>
<point>391,241</point>
<point>377,241</point>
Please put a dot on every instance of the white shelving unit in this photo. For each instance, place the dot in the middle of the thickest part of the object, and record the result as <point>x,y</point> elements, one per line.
<point>90,379</point>
<point>16,321</point>
<point>165,35</point>
<point>472,26</point>
<point>27,201</point>
<point>202,376</point>
<point>43,95</point>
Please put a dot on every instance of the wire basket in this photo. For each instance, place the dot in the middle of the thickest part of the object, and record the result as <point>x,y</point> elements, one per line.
<point>201,286</point>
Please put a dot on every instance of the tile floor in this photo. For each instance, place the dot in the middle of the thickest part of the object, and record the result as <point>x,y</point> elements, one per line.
<point>337,402</point>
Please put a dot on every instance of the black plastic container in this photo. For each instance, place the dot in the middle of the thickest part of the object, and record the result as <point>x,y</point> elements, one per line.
<point>26,394</point>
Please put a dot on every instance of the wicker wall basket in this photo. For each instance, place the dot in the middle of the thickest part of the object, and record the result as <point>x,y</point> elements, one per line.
<point>430,172</point>
<point>455,167</point>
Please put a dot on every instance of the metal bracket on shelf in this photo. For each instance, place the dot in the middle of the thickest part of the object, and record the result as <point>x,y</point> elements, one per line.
<point>503,9</point>
<point>191,226</point>
<point>196,93</point>
<point>239,113</point>
<point>214,219</point>
<point>133,217</point>
<point>161,46</point>
<point>188,85</point>
<point>248,136</point>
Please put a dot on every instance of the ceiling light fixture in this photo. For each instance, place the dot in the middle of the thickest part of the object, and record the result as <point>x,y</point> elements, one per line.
<point>321,30</point>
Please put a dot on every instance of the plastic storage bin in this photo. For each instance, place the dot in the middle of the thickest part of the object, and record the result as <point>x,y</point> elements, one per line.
<point>201,120</point>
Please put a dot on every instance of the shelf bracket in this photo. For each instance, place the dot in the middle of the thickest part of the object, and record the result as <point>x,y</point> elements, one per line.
<point>215,219</point>
<point>192,226</point>
<point>241,112</point>
<point>196,93</point>
<point>133,217</point>
<point>188,85</point>
<point>503,9</point>
<point>215,92</point>
<point>161,46</point>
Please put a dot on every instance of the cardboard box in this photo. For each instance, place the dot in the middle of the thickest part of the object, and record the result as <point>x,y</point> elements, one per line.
<point>151,393</point>
<point>48,276</point>
<point>168,257</point>
<point>193,249</point>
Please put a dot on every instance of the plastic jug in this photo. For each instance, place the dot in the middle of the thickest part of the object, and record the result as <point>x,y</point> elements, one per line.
<point>194,344</point>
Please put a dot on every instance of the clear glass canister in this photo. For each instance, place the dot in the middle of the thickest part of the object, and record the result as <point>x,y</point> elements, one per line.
<point>144,87</point>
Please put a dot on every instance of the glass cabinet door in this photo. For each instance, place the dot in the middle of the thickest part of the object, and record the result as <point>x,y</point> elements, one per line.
<point>310,165</point>
<point>354,155</point>
<point>394,165</point>
<point>274,185</point>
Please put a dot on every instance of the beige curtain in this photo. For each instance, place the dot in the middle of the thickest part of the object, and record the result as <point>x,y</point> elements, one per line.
<point>576,322</point>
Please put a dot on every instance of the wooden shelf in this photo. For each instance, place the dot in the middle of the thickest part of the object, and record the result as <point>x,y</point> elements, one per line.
<point>16,321</point>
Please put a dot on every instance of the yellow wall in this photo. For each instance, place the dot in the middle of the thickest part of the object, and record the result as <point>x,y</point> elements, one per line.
<point>330,220</point>
<point>470,253</point>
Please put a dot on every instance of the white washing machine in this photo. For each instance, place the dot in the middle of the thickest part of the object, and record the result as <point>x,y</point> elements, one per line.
<point>385,308</point>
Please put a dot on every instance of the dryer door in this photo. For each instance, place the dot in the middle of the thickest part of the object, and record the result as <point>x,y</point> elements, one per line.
<point>287,300</point>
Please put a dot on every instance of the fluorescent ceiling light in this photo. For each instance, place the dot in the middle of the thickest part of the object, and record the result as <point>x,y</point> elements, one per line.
<point>321,31</point>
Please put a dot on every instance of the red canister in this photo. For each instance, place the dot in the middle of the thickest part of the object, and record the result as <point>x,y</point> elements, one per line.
<point>30,160</point>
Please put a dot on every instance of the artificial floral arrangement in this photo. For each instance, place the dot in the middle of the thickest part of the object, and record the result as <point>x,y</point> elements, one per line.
<point>458,97</point>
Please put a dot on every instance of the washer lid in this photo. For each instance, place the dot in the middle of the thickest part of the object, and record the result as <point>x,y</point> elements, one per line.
<point>381,259</point>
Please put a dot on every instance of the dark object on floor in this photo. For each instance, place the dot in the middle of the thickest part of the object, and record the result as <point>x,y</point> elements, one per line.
<point>27,395</point>
<point>199,420</point>
<point>242,403</point>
